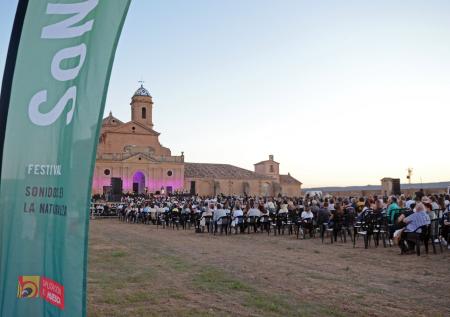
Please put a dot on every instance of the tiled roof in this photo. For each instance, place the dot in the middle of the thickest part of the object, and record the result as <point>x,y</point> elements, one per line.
<point>288,179</point>
<point>271,161</point>
<point>219,171</point>
<point>111,120</point>
<point>123,126</point>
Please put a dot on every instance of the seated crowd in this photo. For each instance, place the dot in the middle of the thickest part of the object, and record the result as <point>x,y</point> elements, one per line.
<point>396,217</point>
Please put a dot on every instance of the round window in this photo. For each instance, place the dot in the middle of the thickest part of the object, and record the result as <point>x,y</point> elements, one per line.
<point>107,172</point>
<point>169,173</point>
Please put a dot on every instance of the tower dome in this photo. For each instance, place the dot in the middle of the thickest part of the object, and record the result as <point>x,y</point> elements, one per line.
<point>142,107</point>
<point>142,92</point>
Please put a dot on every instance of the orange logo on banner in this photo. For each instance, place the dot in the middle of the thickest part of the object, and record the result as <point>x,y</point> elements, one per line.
<point>28,286</point>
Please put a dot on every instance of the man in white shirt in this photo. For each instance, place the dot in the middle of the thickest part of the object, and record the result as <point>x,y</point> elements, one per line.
<point>283,209</point>
<point>238,213</point>
<point>270,206</point>
<point>253,212</point>
<point>307,214</point>
<point>307,220</point>
<point>219,213</point>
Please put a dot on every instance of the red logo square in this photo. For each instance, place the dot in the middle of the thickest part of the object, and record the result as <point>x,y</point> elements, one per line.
<point>52,292</point>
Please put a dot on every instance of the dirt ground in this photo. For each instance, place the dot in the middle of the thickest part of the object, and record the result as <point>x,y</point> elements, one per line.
<point>139,270</point>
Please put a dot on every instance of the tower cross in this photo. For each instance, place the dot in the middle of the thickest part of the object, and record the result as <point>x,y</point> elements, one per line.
<point>141,82</point>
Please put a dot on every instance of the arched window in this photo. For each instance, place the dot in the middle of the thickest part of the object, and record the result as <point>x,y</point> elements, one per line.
<point>144,113</point>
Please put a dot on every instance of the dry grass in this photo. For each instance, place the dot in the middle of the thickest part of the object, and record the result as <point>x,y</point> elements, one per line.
<point>137,270</point>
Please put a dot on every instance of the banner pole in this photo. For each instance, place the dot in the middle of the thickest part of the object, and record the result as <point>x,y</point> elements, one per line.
<point>8,73</point>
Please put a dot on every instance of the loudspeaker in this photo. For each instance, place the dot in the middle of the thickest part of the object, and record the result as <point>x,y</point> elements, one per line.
<point>116,185</point>
<point>396,186</point>
<point>192,191</point>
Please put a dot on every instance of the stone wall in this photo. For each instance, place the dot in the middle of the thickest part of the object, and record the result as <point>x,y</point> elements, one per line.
<point>210,187</point>
<point>367,193</point>
<point>156,175</point>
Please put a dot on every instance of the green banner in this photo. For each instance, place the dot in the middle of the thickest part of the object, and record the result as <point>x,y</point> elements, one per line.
<point>54,100</point>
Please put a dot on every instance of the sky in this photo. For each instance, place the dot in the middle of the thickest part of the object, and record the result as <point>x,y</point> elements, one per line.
<point>340,92</point>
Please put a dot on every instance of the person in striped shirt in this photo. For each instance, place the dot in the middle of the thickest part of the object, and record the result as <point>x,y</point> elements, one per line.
<point>413,222</point>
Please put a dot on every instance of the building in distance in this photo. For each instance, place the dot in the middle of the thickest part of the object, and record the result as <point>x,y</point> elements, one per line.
<point>130,158</point>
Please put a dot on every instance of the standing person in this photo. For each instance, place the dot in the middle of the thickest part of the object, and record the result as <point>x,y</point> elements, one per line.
<point>315,208</point>
<point>446,228</point>
<point>331,206</point>
<point>420,194</point>
<point>447,202</point>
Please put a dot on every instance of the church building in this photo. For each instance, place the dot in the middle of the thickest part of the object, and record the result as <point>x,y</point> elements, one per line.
<point>130,158</point>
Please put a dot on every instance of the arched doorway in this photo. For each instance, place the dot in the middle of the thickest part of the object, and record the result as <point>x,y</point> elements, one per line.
<point>138,182</point>
<point>265,189</point>
<point>245,188</point>
<point>217,189</point>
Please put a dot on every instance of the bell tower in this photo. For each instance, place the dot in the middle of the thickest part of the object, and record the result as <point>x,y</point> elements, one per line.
<point>142,107</point>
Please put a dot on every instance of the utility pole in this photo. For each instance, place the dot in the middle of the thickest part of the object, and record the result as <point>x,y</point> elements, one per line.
<point>408,177</point>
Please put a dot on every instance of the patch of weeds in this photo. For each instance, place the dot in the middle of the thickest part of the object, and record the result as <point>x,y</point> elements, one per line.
<point>319,276</point>
<point>111,299</point>
<point>118,254</point>
<point>175,263</point>
<point>194,312</point>
<point>138,296</point>
<point>169,293</point>
<point>113,284</point>
<point>316,309</point>
<point>216,280</point>
<point>266,303</point>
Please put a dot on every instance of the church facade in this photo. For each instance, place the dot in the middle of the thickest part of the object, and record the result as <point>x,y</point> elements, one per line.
<point>131,158</point>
